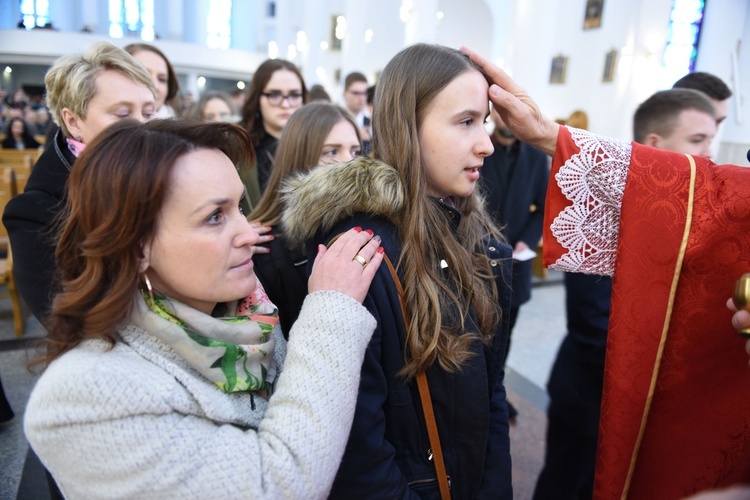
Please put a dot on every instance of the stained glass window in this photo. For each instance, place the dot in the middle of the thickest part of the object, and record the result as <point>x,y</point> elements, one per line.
<point>34,13</point>
<point>131,17</point>
<point>683,35</point>
<point>219,24</point>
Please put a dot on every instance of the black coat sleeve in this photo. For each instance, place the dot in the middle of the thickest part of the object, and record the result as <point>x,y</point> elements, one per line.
<point>29,218</point>
<point>538,166</point>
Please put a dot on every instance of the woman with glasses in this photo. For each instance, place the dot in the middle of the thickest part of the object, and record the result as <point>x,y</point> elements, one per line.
<point>275,92</point>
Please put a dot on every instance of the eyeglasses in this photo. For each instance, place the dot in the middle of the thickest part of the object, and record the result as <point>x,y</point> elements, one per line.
<point>276,98</point>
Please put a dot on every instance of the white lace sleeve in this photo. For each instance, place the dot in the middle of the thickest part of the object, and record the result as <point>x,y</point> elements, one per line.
<point>594,180</point>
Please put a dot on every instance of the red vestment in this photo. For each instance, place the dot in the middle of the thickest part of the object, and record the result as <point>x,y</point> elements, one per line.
<point>696,435</point>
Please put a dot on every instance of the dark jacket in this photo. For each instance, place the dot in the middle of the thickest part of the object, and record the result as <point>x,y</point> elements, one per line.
<point>283,273</point>
<point>29,219</point>
<point>264,154</point>
<point>387,453</point>
<point>512,180</point>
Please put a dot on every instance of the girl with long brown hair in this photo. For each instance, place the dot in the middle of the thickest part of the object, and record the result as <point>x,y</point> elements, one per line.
<point>418,193</point>
<point>317,134</point>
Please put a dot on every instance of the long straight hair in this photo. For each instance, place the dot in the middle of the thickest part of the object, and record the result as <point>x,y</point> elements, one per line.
<point>298,151</point>
<point>439,302</point>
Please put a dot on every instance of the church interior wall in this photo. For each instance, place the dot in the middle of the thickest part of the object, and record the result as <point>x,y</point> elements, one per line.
<point>521,35</point>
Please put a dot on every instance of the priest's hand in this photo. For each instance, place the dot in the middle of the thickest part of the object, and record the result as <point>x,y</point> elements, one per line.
<point>517,109</point>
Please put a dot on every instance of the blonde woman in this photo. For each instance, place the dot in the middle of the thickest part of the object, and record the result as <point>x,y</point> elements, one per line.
<point>85,93</point>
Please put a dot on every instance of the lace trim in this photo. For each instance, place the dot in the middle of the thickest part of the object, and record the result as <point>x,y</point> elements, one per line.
<point>594,180</point>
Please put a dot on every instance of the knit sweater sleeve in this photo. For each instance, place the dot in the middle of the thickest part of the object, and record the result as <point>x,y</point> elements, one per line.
<point>108,423</point>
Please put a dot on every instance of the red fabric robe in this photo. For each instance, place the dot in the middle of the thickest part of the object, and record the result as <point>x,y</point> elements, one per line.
<point>697,432</point>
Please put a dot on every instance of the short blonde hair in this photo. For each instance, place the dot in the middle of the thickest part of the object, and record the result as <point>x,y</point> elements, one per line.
<point>71,81</point>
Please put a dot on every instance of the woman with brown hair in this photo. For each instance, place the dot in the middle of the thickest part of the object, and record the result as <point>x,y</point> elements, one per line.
<point>213,106</point>
<point>419,194</point>
<point>162,73</point>
<point>18,135</point>
<point>163,352</point>
<point>317,134</point>
<point>276,91</point>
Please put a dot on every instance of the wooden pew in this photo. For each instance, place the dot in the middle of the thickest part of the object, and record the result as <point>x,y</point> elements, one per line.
<point>7,191</point>
<point>15,156</point>
<point>21,162</point>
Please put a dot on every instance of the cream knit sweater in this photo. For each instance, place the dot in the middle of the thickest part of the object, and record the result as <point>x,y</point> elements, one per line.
<point>136,421</point>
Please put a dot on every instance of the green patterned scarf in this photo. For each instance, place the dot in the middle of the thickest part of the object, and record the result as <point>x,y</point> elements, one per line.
<point>235,352</point>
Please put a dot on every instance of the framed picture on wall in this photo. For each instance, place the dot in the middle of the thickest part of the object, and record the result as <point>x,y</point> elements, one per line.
<point>335,38</point>
<point>610,65</point>
<point>558,70</point>
<point>593,17</point>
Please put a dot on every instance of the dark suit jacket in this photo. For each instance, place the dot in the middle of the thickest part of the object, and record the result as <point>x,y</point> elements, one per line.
<point>512,180</point>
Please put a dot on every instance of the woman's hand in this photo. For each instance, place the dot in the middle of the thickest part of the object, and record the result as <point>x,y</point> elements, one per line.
<point>348,265</point>
<point>265,236</point>
<point>517,109</point>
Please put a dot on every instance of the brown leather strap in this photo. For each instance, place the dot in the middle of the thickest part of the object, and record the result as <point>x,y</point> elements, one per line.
<point>424,396</point>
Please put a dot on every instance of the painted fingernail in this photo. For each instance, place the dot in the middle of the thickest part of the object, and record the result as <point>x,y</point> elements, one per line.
<point>358,229</point>
<point>369,231</point>
<point>381,250</point>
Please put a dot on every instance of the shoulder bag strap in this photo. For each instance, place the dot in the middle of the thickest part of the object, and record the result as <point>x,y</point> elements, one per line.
<point>424,396</point>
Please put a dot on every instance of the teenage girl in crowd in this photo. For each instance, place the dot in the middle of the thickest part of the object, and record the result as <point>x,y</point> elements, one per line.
<point>162,73</point>
<point>419,194</point>
<point>214,106</point>
<point>317,134</point>
<point>165,367</point>
<point>275,92</point>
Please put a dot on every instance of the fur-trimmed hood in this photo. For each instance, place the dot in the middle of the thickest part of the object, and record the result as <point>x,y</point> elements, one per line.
<point>329,193</point>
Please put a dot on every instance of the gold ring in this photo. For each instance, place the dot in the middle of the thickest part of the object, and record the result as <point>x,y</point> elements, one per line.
<point>361,260</point>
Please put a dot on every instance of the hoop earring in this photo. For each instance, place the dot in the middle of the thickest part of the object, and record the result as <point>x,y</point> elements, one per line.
<point>149,288</point>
